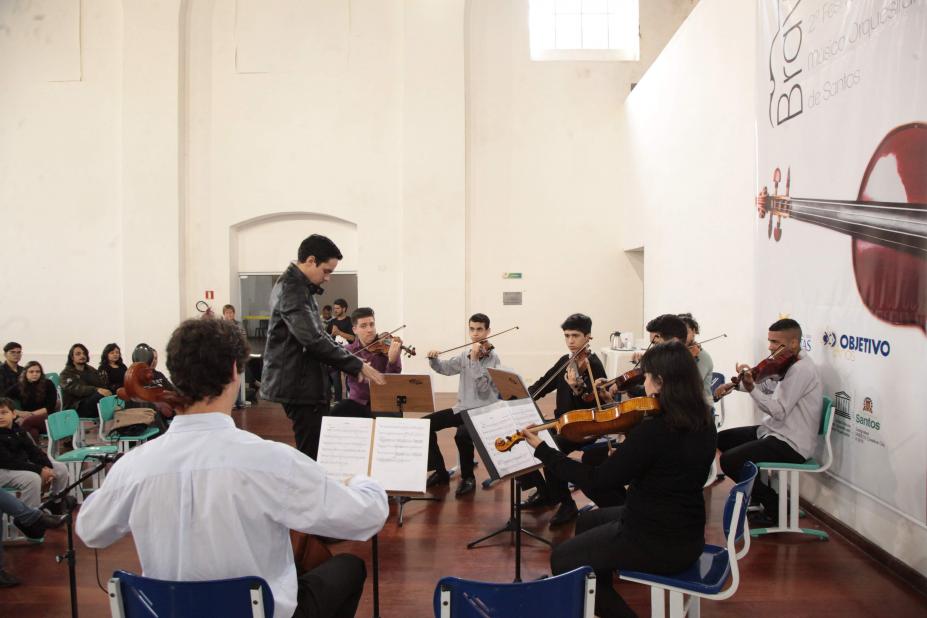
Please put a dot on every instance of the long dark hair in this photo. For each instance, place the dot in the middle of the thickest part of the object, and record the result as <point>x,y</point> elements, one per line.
<point>70,361</point>
<point>33,391</point>
<point>104,358</point>
<point>682,394</point>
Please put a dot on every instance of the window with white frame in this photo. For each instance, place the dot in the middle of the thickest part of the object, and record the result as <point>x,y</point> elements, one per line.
<point>584,30</point>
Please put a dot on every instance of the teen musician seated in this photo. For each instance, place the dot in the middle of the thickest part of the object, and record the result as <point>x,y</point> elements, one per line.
<point>664,460</point>
<point>210,501</point>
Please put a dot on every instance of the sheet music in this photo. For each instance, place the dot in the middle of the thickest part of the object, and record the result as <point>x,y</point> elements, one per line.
<point>400,454</point>
<point>502,419</point>
<point>344,446</point>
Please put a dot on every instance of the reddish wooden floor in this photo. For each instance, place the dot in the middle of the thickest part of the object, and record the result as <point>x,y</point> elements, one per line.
<point>780,576</point>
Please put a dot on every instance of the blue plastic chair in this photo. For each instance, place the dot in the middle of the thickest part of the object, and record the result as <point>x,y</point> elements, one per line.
<point>132,596</point>
<point>789,512</point>
<point>570,595</point>
<point>705,578</point>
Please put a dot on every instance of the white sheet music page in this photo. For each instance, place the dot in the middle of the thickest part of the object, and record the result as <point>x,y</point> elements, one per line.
<point>400,454</point>
<point>344,446</point>
<point>502,419</point>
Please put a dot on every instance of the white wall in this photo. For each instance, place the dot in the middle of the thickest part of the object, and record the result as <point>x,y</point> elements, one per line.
<point>687,166</point>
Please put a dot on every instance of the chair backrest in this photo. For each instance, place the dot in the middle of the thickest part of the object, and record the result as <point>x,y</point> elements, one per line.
<point>717,379</point>
<point>55,379</point>
<point>824,453</point>
<point>745,488</point>
<point>107,408</point>
<point>61,425</point>
<point>242,597</point>
<point>569,595</point>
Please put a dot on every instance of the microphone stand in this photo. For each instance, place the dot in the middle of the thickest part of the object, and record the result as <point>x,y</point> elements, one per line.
<point>69,555</point>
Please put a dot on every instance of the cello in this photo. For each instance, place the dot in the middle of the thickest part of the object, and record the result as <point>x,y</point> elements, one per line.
<point>308,551</point>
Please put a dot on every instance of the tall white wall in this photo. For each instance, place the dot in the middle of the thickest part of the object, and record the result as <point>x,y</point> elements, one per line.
<point>688,171</point>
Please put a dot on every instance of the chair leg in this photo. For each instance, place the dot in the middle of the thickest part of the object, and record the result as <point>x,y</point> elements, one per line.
<point>677,604</point>
<point>695,608</point>
<point>657,602</point>
<point>789,513</point>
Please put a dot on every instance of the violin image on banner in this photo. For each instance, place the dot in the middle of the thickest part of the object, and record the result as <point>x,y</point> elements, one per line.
<point>579,425</point>
<point>889,249</point>
<point>308,551</point>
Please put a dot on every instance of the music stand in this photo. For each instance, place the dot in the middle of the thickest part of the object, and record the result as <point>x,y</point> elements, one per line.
<point>508,383</point>
<point>403,393</point>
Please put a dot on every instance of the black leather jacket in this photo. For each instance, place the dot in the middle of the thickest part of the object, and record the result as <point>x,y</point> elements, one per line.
<point>297,345</point>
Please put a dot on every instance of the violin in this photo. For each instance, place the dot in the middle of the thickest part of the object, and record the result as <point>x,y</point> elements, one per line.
<point>485,349</point>
<point>626,381</point>
<point>773,366</point>
<point>458,347</point>
<point>580,425</point>
<point>308,551</point>
<point>383,342</point>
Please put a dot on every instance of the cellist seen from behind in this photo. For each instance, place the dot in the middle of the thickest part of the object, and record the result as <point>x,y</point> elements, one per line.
<point>210,501</point>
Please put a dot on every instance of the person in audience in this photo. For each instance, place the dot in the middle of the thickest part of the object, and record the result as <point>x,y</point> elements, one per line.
<point>664,461</point>
<point>37,398</point>
<point>791,409</point>
<point>475,389</point>
<point>228,313</point>
<point>82,386</point>
<point>340,328</point>
<point>224,499</point>
<point>570,384</point>
<point>32,522</point>
<point>363,322</point>
<point>10,370</point>
<point>706,366</point>
<point>112,365</point>
<point>326,314</point>
<point>25,466</point>
<point>144,353</point>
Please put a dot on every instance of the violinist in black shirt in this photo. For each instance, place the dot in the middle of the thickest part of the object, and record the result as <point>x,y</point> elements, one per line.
<point>664,461</point>
<point>570,384</point>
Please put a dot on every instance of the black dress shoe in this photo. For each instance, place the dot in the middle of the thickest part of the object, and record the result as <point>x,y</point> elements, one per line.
<point>761,519</point>
<point>7,580</point>
<point>537,501</point>
<point>565,514</point>
<point>467,485</point>
<point>36,530</point>
<point>438,478</point>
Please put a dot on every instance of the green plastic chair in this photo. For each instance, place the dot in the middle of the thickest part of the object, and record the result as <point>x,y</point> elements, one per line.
<point>55,379</point>
<point>789,512</point>
<point>66,424</point>
<point>106,408</point>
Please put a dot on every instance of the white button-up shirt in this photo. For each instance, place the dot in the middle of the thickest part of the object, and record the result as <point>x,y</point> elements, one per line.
<point>210,501</point>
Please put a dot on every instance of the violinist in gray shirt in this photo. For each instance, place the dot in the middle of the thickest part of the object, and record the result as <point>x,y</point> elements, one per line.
<point>791,404</point>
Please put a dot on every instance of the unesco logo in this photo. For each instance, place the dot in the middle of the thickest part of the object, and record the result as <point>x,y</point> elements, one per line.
<point>857,343</point>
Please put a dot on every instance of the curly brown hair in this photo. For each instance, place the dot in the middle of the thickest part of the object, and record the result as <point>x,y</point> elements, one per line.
<point>200,354</point>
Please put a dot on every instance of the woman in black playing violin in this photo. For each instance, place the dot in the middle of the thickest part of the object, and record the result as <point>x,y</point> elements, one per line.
<point>664,461</point>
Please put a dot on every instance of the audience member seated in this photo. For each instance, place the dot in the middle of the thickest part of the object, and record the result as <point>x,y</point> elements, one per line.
<point>32,522</point>
<point>82,386</point>
<point>207,483</point>
<point>25,466</point>
<point>9,372</point>
<point>144,353</point>
<point>112,365</point>
<point>37,398</point>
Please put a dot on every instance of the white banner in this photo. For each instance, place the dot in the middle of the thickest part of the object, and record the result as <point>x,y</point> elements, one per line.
<point>841,96</point>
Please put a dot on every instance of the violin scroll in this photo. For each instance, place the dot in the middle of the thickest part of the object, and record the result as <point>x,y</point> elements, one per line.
<point>504,445</point>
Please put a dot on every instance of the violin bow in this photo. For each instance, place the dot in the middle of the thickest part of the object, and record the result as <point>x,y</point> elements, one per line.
<point>558,370</point>
<point>480,341</point>
<point>380,338</point>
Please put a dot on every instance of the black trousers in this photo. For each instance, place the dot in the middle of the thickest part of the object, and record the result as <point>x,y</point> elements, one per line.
<point>87,407</point>
<point>445,419</point>
<point>331,590</point>
<point>307,425</point>
<point>742,444</point>
<point>603,542</point>
<point>349,407</point>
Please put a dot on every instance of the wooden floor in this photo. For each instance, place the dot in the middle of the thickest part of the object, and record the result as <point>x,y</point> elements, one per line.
<point>780,576</point>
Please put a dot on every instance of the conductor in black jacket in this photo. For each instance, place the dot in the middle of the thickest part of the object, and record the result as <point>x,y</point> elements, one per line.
<point>298,348</point>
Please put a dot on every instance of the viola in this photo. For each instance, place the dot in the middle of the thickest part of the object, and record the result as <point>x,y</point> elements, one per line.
<point>308,551</point>
<point>889,246</point>
<point>580,425</point>
<point>383,342</point>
